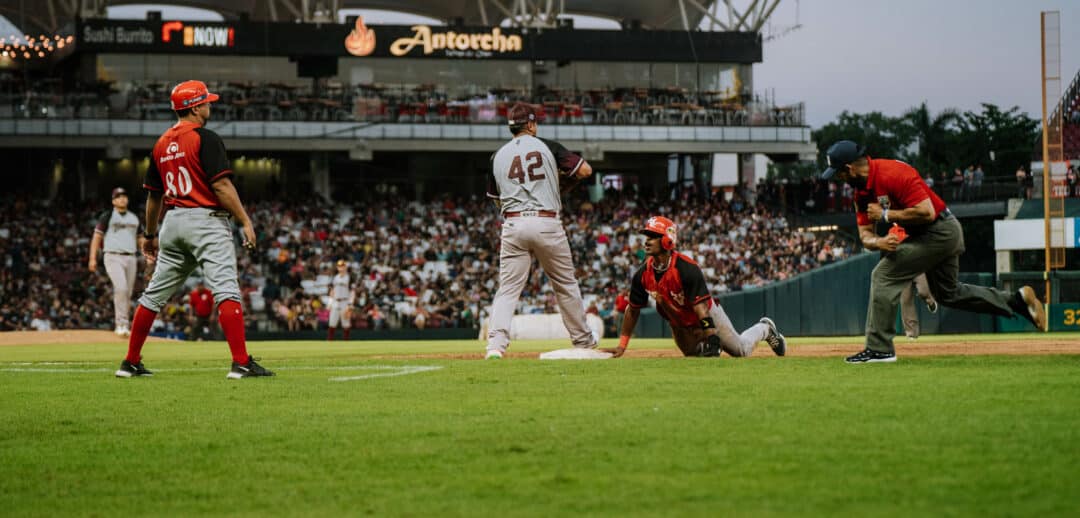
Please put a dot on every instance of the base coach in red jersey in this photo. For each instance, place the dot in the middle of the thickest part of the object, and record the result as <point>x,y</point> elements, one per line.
<point>190,174</point>
<point>893,192</point>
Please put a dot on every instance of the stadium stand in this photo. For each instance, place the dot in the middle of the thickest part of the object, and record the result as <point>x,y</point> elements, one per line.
<point>335,101</point>
<point>414,265</point>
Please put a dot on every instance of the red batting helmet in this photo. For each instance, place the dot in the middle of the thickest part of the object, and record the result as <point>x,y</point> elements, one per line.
<point>190,94</point>
<point>664,228</point>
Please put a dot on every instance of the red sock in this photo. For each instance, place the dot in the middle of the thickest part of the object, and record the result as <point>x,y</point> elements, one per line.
<point>330,335</point>
<point>140,327</point>
<point>346,331</point>
<point>231,318</point>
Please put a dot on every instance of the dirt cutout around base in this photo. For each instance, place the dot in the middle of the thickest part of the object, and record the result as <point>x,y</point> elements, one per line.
<point>67,337</point>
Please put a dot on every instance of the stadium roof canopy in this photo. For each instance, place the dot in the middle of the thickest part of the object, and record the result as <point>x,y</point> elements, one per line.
<point>52,15</point>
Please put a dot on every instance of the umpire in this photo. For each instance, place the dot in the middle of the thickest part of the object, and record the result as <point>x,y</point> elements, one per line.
<point>118,230</point>
<point>935,241</point>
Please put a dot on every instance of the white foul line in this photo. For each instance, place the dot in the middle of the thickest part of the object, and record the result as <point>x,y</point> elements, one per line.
<point>388,370</point>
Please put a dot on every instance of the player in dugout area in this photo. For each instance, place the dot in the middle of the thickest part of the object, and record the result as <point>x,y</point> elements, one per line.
<point>927,239</point>
<point>699,326</point>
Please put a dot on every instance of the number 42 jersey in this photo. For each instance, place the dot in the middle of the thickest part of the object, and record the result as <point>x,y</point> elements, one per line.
<point>186,161</point>
<point>526,173</point>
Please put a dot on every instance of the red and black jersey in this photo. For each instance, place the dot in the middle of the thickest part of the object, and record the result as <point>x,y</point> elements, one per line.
<point>680,287</point>
<point>186,161</point>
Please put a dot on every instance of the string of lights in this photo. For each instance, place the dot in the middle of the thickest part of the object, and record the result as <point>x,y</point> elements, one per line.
<point>29,47</point>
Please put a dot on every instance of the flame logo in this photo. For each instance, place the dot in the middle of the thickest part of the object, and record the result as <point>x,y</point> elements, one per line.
<point>361,41</point>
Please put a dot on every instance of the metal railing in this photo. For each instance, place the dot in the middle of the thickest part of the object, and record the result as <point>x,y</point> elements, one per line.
<point>399,131</point>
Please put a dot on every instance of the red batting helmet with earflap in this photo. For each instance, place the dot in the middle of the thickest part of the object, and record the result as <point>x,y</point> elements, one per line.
<point>663,227</point>
<point>190,94</point>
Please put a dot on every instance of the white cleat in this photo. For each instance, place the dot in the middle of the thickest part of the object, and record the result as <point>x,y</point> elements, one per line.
<point>494,355</point>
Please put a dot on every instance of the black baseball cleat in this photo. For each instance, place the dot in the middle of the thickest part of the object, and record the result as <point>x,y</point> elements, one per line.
<point>710,348</point>
<point>774,338</point>
<point>130,370</point>
<point>248,370</point>
<point>1026,304</point>
<point>869,356</point>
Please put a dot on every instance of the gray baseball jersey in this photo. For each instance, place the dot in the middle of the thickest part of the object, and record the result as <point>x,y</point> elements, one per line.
<point>340,287</point>
<point>120,231</point>
<point>526,173</point>
<point>340,295</point>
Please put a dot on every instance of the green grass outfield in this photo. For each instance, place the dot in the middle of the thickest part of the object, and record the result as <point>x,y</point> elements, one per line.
<point>338,432</point>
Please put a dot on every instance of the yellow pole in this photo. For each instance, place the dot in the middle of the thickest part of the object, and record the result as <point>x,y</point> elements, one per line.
<point>1046,160</point>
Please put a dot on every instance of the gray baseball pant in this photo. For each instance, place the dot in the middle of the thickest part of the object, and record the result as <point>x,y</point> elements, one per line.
<point>688,339</point>
<point>189,238</point>
<point>523,238</point>
<point>908,314</point>
<point>122,269</point>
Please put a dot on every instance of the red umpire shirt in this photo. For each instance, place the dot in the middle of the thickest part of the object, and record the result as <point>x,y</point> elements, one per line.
<point>895,185</point>
<point>186,160</point>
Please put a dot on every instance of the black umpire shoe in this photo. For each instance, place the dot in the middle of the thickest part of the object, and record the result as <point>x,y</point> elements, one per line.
<point>130,370</point>
<point>774,338</point>
<point>248,370</point>
<point>1026,304</point>
<point>868,356</point>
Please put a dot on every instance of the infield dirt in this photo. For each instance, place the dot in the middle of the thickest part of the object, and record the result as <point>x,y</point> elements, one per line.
<point>939,346</point>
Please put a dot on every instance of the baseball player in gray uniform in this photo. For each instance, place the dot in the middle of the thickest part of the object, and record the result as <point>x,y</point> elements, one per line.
<point>528,173</point>
<point>341,301</point>
<point>118,230</point>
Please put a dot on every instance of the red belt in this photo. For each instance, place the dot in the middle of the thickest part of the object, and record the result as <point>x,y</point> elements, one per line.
<point>533,213</point>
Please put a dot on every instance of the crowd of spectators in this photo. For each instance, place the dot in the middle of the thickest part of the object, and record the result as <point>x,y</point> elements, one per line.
<point>413,265</point>
<point>335,101</point>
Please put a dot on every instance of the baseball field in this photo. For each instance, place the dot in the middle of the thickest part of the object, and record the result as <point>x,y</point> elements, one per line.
<point>960,425</point>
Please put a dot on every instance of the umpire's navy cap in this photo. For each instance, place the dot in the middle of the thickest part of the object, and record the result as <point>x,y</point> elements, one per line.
<point>841,154</point>
<point>119,191</point>
<point>520,114</point>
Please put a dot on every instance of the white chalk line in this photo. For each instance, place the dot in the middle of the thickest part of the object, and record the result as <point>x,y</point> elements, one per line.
<point>403,370</point>
<point>389,370</point>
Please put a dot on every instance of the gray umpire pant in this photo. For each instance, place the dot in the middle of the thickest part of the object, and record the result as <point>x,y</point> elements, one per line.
<point>122,269</point>
<point>544,238</point>
<point>935,252</point>
<point>189,238</point>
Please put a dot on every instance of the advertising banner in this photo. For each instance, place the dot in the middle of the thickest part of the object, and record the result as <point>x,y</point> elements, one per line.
<point>415,41</point>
